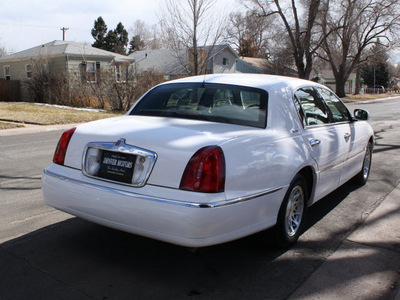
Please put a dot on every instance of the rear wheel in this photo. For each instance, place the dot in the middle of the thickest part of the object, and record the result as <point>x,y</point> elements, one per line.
<point>292,213</point>
<point>362,177</point>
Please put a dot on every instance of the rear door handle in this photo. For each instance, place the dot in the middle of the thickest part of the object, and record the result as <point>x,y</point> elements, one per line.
<point>315,142</point>
<point>347,136</point>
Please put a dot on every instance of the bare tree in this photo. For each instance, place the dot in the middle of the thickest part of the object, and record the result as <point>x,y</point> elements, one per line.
<point>115,87</point>
<point>144,37</point>
<point>111,87</point>
<point>249,33</point>
<point>45,83</point>
<point>39,78</point>
<point>279,57</point>
<point>145,81</point>
<point>300,20</point>
<point>128,87</point>
<point>191,25</point>
<point>356,25</point>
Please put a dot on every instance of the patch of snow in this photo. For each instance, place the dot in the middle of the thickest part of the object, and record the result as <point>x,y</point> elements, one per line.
<point>73,108</point>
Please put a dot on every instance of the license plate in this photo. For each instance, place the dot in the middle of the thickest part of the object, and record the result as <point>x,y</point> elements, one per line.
<point>117,166</point>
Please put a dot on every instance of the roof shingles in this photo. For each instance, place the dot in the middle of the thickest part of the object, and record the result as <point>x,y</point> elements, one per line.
<point>58,48</point>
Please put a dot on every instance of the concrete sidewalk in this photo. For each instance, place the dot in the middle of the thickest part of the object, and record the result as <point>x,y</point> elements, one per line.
<point>366,265</point>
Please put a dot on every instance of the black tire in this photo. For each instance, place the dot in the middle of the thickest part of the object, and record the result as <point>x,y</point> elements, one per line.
<point>362,177</point>
<point>291,215</point>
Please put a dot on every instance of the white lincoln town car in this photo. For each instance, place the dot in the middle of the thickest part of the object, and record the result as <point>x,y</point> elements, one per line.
<point>208,159</point>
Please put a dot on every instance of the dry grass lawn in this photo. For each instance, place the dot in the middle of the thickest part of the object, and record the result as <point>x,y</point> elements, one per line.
<point>364,97</point>
<point>6,125</point>
<point>31,113</point>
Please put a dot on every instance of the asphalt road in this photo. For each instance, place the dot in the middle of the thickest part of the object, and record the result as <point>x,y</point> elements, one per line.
<point>46,254</point>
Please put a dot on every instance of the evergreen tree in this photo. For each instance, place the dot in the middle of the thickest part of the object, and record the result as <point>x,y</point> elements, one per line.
<point>376,70</point>
<point>99,32</point>
<point>122,39</point>
<point>110,41</point>
<point>376,74</point>
<point>114,40</point>
<point>136,44</point>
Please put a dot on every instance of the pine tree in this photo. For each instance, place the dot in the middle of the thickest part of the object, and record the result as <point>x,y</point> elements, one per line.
<point>99,32</point>
<point>377,74</point>
<point>121,38</point>
<point>110,41</point>
<point>136,44</point>
<point>376,70</point>
<point>114,40</point>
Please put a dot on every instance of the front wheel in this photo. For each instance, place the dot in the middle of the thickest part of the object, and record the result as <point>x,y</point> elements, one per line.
<point>292,213</point>
<point>362,177</point>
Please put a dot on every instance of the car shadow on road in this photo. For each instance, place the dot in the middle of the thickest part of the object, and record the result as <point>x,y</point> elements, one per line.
<point>76,259</point>
<point>320,209</point>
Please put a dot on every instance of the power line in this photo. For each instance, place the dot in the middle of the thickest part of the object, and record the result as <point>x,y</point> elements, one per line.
<point>32,25</point>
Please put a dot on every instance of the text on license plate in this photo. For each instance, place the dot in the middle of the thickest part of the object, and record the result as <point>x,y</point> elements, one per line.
<point>117,166</point>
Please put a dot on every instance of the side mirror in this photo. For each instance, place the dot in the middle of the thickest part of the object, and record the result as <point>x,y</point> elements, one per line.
<point>361,114</point>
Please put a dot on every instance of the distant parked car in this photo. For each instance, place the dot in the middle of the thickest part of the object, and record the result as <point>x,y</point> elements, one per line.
<point>209,159</point>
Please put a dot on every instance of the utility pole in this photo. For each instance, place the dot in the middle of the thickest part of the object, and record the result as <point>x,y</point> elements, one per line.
<point>64,30</point>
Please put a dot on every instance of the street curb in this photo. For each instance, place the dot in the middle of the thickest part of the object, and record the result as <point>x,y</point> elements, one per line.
<point>29,128</point>
<point>372,100</point>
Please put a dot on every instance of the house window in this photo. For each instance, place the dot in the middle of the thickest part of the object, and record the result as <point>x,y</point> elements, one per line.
<point>7,75</point>
<point>28,71</point>
<point>91,71</point>
<point>118,73</point>
<point>225,61</point>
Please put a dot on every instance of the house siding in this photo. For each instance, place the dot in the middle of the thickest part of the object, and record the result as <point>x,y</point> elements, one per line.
<point>219,67</point>
<point>63,57</point>
<point>71,64</point>
<point>18,71</point>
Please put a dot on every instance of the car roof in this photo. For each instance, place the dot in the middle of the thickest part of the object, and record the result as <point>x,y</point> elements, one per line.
<point>262,81</point>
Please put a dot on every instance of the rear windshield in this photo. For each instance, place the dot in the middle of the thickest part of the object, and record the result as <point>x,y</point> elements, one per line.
<point>211,102</point>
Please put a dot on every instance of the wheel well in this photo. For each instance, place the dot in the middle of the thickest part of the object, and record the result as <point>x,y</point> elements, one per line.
<point>372,141</point>
<point>308,174</point>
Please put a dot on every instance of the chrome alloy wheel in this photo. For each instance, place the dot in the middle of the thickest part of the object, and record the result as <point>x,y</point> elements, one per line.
<point>294,211</point>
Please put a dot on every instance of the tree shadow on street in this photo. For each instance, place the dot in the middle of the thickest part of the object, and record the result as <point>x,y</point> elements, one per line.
<point>81,260</point>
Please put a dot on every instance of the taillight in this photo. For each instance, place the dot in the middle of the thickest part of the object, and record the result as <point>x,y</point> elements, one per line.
<point>205,171</point>
<point>61,150</point>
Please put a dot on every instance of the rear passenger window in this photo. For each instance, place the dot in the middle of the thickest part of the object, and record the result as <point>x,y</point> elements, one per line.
<point>311,109</point>
<point>223,103</point>
<point>250,99</point>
